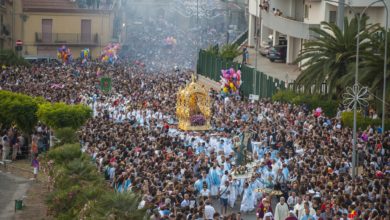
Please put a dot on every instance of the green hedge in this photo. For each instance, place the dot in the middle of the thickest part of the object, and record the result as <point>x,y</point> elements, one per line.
<point>362,122</point>
<point>61,115</point>
<point>66,135</point>
<point>329,107</point>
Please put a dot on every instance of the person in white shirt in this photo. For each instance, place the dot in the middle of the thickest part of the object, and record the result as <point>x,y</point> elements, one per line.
<point>209,211</point>
<point>302,211</point>
<point>186,201</point>
<point>205,192</point>
<point>298,207</point>
<point>224,195</point>
<point>281,210</point>
<point>292,199</point>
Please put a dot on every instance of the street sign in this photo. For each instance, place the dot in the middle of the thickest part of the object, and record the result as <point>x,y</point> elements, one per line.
<point>19,43</point>
<point>254,97</point>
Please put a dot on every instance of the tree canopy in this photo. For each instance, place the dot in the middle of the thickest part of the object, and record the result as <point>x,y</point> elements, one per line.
<point>19,110</point>
<point>61,115</point>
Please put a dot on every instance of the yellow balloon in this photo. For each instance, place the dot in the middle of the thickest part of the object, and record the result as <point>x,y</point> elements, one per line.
<point>231,85</point>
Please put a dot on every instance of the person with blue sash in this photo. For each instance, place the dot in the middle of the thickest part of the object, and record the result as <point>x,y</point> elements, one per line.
<point>198,185</point>
<point>221,145</point>
<point>226,165</point>
<point>199,149</point>
<point>127,184</point>
<point>206,179</point>
<point>248,202</point>
<point>215,179</point>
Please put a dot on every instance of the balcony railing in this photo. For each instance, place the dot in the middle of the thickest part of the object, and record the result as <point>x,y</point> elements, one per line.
<point>66,38</point>
<point>288,26</point>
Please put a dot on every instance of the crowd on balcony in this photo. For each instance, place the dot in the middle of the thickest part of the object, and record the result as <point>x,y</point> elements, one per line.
<point>181,175</point>
<point>265,6</point>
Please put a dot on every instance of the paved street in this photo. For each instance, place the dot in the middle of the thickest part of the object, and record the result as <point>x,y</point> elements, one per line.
<point>245,216</point>
<point>11,188</point>
<point>282,71</point>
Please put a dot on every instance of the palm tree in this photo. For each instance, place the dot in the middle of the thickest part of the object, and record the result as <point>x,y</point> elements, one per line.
<point>371,73</point>
<point>326,58</point>
<point>230,51</point>
<point>113,205</point>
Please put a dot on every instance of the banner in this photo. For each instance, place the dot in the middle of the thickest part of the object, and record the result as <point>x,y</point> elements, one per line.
<point>105,84</point>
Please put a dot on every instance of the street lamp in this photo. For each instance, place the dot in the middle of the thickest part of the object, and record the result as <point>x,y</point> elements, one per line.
<point>256,49</point>
<point>385,70</point>
<point>356,91</point>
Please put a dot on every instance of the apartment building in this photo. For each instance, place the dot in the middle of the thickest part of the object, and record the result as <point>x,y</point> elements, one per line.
<point>292,19</point>
<point>46,25</point>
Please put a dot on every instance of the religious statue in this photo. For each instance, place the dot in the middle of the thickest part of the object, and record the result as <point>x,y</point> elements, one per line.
<point>193,107</point>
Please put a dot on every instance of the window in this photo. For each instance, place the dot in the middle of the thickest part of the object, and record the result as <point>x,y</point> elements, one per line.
<point>332,16</point>
<point>47,25</point>
<point>86,31</point>
<point>306,11</point>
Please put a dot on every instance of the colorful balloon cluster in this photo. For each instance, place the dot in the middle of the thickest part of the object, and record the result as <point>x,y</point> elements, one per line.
<point>170,41</point>
<point>110,53</point>
<point>230,81</point>
<point>64,54</point>
<point>85,55</point>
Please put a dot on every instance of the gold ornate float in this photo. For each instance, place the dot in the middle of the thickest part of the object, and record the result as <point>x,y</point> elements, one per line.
<point>193,107</point>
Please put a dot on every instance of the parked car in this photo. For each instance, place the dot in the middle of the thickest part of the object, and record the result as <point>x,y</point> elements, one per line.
<point>277,53</point>
<point>264,50</point>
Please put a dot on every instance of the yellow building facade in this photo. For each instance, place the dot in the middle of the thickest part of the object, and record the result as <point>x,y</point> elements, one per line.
<point>46,25</point>
<point>5,24</point>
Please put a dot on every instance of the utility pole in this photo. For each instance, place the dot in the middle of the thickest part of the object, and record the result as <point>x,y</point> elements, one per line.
<point>340,14</point>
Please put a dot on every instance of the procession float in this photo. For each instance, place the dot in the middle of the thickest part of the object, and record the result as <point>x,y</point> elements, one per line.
<point>193,107</point>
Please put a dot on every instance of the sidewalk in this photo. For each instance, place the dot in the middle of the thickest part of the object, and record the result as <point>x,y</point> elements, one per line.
<point>282,71</point>
<point>34,193</point>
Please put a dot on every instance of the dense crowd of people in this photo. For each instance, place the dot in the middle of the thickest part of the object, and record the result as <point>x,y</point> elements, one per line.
<point>149,47</point>
<point>192,25</point>
<point>134,140</point>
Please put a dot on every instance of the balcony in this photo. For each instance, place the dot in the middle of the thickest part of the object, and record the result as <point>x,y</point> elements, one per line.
<point>72,39</point>
<point>288,26</point>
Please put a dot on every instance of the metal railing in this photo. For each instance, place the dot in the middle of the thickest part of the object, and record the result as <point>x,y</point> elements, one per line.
<point>241,38</point>
<point>66,38</point>
<point>265,86</point>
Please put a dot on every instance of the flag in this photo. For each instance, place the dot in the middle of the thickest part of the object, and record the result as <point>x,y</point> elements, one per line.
<point>105,84</point>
